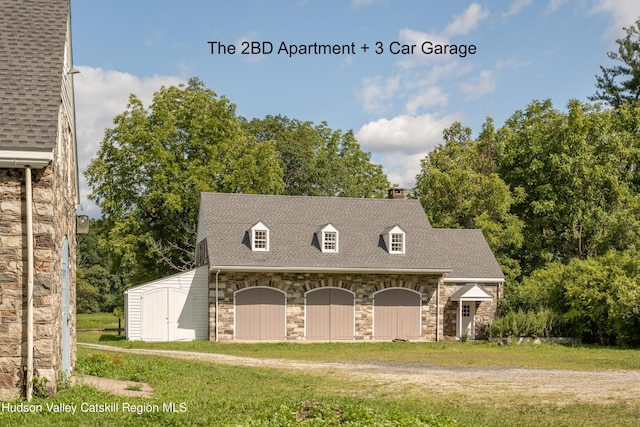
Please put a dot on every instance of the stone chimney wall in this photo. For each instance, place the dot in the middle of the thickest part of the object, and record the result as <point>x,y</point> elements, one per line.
<point>396,193</point>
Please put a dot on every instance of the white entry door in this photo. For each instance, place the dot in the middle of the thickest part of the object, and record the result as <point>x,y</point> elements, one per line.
<point>467,323</point>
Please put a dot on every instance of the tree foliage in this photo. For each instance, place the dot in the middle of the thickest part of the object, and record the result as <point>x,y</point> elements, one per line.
<point>99,285</point>
<point>557,195</point>
<point>459,188</point>
<point>153,164</point>
<point>598,298</point>
<point>572,169</point>
<point>319,161</point>
<point>620,83</point>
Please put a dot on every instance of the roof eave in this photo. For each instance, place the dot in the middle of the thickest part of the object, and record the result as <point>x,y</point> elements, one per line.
<point>250,268</point>
<point>13,159</point>
<point>474,279</point>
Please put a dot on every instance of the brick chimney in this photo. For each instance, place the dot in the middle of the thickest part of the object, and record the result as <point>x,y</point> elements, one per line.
<point>396,193</point>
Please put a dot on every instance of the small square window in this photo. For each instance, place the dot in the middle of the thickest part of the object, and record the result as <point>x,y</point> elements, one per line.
<point>330,241</point>
<point>260,239</point>
<point>397,242</point>
<point>466,310</point>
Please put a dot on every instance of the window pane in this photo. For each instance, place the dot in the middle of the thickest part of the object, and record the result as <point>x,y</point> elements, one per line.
<point>397,242</point>
<point>330,239</point>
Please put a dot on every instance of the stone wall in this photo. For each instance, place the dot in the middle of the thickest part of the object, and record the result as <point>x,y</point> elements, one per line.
<point>53,220</point>
<point>295,285</point>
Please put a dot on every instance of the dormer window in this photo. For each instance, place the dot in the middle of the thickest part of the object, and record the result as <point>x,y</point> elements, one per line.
<point>395,238</point>
<point>259,237</point>
<point>328,238</point>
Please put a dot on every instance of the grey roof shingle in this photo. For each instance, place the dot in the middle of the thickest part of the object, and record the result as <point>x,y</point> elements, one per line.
<point>32,39</point>
<point>294,220</point>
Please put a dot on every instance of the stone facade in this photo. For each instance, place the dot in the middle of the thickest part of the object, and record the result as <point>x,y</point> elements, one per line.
<point>295,285</point>
<point>54,220</point>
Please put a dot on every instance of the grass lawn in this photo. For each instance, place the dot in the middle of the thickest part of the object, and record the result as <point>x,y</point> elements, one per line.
<point>220,395</point>
<point>97,321</point>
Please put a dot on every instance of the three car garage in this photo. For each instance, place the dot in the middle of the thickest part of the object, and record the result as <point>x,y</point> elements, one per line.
<point>329,314</point>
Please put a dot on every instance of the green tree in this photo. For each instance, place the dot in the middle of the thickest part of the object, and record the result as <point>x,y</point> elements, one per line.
<point>99,284</point>
<point>153,164</point>
<point>598,297</point>
<point>319,161</point>
<point>459,188</point>
<point>620,84</point>
<point>572,169</point>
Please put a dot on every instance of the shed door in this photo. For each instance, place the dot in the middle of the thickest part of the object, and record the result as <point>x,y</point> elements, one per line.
<point>155,315</point>
<point>180,317</point>
<point>260,314</point>
<point>330,315</point>
<point>396,315</point>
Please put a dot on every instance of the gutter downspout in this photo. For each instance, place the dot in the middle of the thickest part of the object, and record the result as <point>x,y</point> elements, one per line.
<point>438,311</point>
<point>29,202</point>
<point>216,334</point>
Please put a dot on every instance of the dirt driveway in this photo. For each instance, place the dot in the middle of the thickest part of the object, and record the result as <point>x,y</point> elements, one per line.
<point>499,385</point>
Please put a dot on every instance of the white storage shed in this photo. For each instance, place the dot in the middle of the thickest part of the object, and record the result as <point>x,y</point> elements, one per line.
<point>174,308</point>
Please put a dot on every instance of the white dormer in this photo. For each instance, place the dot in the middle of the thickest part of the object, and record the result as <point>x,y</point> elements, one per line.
<point>259,237</point>
<point>395,239</point>
<point>328,237</point>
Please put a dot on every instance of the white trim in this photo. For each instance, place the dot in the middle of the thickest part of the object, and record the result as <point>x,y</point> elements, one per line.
<point>472,280</point>
<point>10,159</point>
<point>252,268</point>
<point>388,238</point>
<point>329,287</point>
<point>235,312</point>
<point>329,228</point>
<point>259,226</point>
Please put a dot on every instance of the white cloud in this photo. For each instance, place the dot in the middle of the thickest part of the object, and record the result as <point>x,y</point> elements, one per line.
<point>484,84</point>
<point>554,5</point>
<point>624,13</point>
<point>405,134</point>
<point>376,91</point>
<point>431,97</point>
<point>468,21</point>
<point>402,168</point>
<point>100,95</point>
<point>516,7</point>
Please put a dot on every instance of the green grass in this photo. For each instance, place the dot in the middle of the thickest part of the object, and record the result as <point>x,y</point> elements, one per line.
<point>97,321</point>
<point>221,395</point>
<point>543,356</point>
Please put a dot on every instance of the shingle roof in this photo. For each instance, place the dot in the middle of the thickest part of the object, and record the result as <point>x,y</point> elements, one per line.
<point>32,37</point>
<point>294,220</point>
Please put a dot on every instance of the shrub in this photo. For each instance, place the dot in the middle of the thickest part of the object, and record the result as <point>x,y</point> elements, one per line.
<point>534,324</point>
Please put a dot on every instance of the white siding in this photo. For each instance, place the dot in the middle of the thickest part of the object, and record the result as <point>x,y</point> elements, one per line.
<point>174,308</point>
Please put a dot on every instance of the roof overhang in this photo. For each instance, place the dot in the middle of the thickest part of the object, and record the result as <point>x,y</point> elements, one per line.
<point>13,159</point>
<point>246,268</point>
<point>471,292</point>
<point>474,279</point>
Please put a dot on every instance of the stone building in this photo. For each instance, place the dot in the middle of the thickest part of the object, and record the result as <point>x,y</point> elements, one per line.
<point>330,269</point>
<point>38,195</point>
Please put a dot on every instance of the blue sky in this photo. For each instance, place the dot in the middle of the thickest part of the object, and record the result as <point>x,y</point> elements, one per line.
<point>397,104</point>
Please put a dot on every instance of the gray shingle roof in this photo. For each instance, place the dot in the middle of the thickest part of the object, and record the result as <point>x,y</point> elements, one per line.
<point>32,37</point>
<point>293,222</point>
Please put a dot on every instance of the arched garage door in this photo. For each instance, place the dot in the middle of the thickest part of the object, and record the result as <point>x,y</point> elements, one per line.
<point>330,314</point>
<point>260,314</point>
<point>396,314</point>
